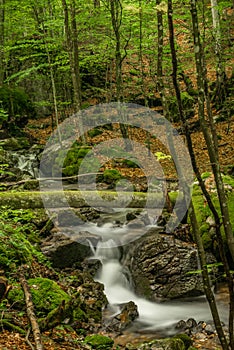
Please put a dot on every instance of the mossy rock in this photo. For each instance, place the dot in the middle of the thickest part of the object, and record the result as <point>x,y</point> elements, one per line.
<point>186,340</point>
<point>46,295</point>
<point>94,132</point>
<point>130,163</point>
<point>111,175</point>
<point>99,342</point>
<point>164,344</point>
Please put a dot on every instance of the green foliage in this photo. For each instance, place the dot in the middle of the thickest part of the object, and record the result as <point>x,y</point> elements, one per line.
<point>99,342</point>
<point>3,113</point>
<point>18,238</point>
<point>130,163</point>
<point>15,102</point>
<point>15,249</point>
<point>187,103</point>
<point>94,132</point>
<point>46,295</point>
<point>161,156</point>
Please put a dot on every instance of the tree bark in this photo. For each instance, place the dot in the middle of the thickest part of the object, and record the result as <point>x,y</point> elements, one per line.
<point>210,134</point>
<point>116,20</point>
<point>206,280</point>
<point>2,40</point>
<point>220,90</point>
<point>73,54</point>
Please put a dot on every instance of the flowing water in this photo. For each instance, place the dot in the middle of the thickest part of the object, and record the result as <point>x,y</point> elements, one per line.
<point>152,316</point>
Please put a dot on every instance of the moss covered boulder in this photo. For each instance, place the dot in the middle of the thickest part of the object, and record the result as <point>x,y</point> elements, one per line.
<point>99,342</point>
<point>46,295</point>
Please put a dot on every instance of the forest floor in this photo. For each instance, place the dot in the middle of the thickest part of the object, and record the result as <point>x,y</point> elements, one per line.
<point>40,130</point>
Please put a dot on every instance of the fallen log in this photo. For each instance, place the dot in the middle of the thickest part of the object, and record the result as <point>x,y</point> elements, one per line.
<point>77,199</point>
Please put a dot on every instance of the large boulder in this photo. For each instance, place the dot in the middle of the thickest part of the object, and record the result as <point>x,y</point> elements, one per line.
<point>66,250</point>
<point>161,267</point>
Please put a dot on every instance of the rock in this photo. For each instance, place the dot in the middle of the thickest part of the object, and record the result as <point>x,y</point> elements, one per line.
<point>64,251</point>
<point>98,341</point>
<point>163,344</point>
<point>160,266</point>
<point>46,294</point>
<point>210,221</point>
<point>93,300</point>
<point>67,218</point>
<point>209,329</point>
<point>124,319</point>
<point>136,223</point>
<point>91,266</point>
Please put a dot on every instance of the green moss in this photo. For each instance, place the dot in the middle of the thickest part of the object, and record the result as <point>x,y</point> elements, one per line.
<point>130,164</point>
<point>186,340</point>
<point>111,175</point>
<point>204,228</point>
<point>80,315</point>
<point>46,295</point>
<point>99,342</point>
<point>94,132</point>
<point>15,247</point>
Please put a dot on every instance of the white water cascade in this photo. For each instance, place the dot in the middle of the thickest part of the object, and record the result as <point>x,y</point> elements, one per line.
<point>152,316</point>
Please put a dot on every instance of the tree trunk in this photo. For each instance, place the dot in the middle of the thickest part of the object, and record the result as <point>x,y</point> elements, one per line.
<point>73,53</point>
<point>210,134</point>
<point>206,280</point>
<point>2,36</point>
<point>116,19</point>
<point>220,91</point>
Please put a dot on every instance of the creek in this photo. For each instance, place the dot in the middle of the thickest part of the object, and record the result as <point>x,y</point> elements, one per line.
<point>153,316</point>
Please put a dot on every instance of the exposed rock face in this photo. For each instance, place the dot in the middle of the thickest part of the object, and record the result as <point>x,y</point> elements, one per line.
<point>64,251</point>
<point>160,266</point>
<point>124,319</point>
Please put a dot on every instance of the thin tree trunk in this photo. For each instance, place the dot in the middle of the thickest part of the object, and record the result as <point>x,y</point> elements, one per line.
<point>220,91</point>
<point>206,280</point>
<point>31,315</point>
<point>2,39</point>
<point>73,53</point>
<point>210,136</point>
<point>116,19</point>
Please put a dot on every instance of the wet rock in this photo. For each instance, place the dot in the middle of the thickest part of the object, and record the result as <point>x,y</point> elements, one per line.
<point>162,344</point>
<point>124,319</point>
<point>136,223</point>
<point>91,266</point>
<point>160,266</point>
<point>67,218</point>
<point>65,250</point>
<point>93,300</point>
<point>209,329</point>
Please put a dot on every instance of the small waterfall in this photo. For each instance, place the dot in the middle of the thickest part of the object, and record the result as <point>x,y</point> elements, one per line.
<point>152,316</point>
<point>26,162</point>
